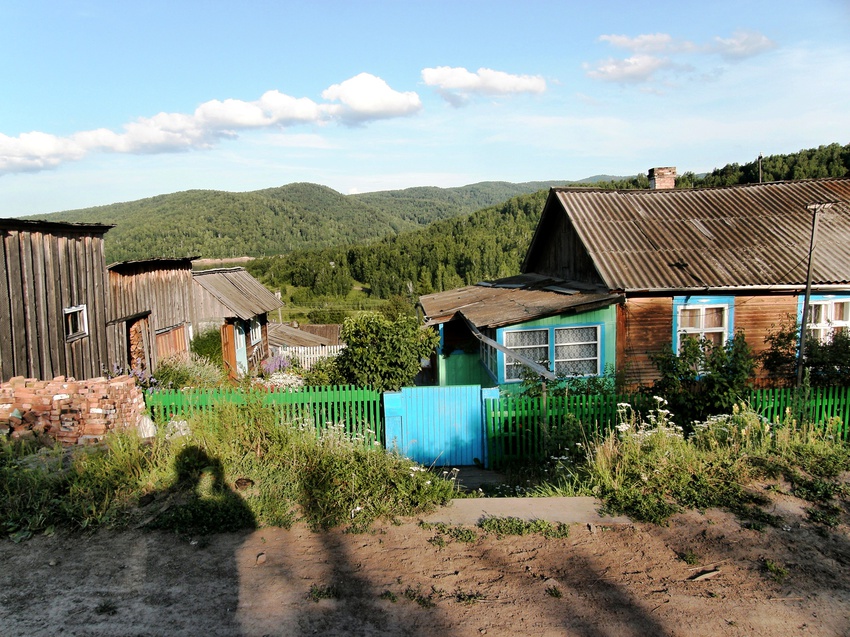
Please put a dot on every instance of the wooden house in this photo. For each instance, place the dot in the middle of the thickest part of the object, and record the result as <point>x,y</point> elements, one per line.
<point>706,263</point>
<point>149,312</point>
<point>233,301</point>
<point>53,295</point>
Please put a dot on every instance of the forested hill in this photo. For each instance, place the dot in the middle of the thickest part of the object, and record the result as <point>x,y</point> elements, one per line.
<point>298,216</point>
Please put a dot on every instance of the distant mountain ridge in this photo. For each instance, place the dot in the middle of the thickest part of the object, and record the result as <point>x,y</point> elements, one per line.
<point>217,224</point>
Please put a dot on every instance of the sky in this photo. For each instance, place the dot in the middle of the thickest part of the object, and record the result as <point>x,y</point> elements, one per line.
<point>111,101</point>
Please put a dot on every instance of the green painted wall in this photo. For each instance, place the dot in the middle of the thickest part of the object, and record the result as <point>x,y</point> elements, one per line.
<point>463,369</point>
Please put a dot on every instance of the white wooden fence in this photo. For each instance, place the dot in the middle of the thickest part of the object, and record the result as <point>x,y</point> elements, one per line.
<point>308,356</point>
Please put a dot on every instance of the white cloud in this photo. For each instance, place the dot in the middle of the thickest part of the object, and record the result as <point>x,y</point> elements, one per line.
<point>456,84</point>
<point>743,44</point>
<point>647,43</point>
<point>660,51</point>
<point>361,98</point>
<point>366,97</point>
<point>638,68</point>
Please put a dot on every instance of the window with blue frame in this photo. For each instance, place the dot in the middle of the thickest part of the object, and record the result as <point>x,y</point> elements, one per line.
<point>568,351</point>
<point>829,314</point>
<point>706,317</point>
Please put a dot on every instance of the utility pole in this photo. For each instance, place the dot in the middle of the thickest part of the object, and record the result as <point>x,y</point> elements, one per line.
<point>760,173</point>
<point>815,208</point>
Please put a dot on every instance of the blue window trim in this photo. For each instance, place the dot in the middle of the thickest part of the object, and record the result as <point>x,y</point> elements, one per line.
<point>500,338</point>
<point>681,301</point>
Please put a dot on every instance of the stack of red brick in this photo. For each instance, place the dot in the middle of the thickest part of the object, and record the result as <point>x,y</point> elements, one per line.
<point>67,410</point>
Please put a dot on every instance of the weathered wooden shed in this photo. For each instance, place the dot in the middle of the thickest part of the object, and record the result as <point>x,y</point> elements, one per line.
<point>237,303</point>
<point>52,299</point>
<point>150,312</point>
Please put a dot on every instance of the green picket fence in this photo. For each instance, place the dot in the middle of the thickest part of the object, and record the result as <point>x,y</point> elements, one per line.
<point>357,409</point>
<point>516,426</point>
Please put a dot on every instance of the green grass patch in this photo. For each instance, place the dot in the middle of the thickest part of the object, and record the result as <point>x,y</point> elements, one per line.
<point>237,469</point>
<point>501,526</point>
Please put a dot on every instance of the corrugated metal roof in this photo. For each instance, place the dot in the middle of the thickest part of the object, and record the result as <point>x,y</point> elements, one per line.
<point>238,291</point>
<point>503,303</point>
<point>754,235</point>
<point>285,335</point>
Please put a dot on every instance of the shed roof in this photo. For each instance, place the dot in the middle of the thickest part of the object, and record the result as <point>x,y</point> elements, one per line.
<point>281,335</point>
<point>38,225</point>
<point>748,236</point>
<point>238,291</point>
<point>510,301</point>
<point>156,263</point>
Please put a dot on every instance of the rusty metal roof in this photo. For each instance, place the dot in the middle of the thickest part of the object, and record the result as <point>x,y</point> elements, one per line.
<point>511,301</point>
<point>748,236</point>
<point>238,291</point>
<point>281,335</point>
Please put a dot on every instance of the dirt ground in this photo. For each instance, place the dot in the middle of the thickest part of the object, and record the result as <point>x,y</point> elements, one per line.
<point>623,580</point>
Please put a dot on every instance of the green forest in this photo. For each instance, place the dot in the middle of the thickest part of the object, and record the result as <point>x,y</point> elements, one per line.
<point>216,224</point>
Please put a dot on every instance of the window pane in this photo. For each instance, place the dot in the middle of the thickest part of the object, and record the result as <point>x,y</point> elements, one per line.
<point>690,318</point>
<point>527,338</point>
<point>817,314</point>
<point>841,311</point>
<point>575,335</point>
<point>714,317</point>
<point>715,338</point>
<point>576,368</point>
<point>569,352</point>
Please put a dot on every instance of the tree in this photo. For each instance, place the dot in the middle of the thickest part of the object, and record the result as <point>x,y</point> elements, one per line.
<point>382,353</point>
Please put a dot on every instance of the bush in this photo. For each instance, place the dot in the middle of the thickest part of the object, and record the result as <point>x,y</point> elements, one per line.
<point>187,369</point>
<point>207,344</point>
<point>703,379</point>
<point>382,353</point>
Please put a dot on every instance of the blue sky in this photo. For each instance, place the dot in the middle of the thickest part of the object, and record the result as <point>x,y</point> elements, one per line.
<point>114,101</point>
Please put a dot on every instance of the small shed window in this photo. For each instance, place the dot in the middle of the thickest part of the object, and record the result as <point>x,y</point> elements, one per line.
<point>256,331</point>
<point>76,322</point>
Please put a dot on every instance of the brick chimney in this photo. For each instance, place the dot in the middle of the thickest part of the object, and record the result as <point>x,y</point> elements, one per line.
<point>662,178</point>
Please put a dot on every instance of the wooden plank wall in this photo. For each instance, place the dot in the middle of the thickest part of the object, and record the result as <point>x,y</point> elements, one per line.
<point>164,291</point>
<point>42,274</point>
<point>644,326</point>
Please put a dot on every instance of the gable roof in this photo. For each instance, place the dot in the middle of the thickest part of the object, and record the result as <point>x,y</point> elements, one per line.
<point>237,291</point>
<point>748,236</point>
<point>510,301</point>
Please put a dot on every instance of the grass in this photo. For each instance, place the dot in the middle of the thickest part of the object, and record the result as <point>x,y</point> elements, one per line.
<point>775,570</point>
<point>502,526</point>
<point>237,469</point>
<point>649,470</point>
<point>321,591</point>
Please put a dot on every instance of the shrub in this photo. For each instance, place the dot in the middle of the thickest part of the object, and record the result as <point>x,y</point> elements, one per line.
<point>187,369</point>
<point>381,353</point>
<point>207,344</point>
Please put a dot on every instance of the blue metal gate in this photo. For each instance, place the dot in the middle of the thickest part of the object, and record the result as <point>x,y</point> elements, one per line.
<point>441,426</point>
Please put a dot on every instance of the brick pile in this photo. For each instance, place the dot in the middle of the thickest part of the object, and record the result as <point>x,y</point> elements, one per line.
<point>67,410</point>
